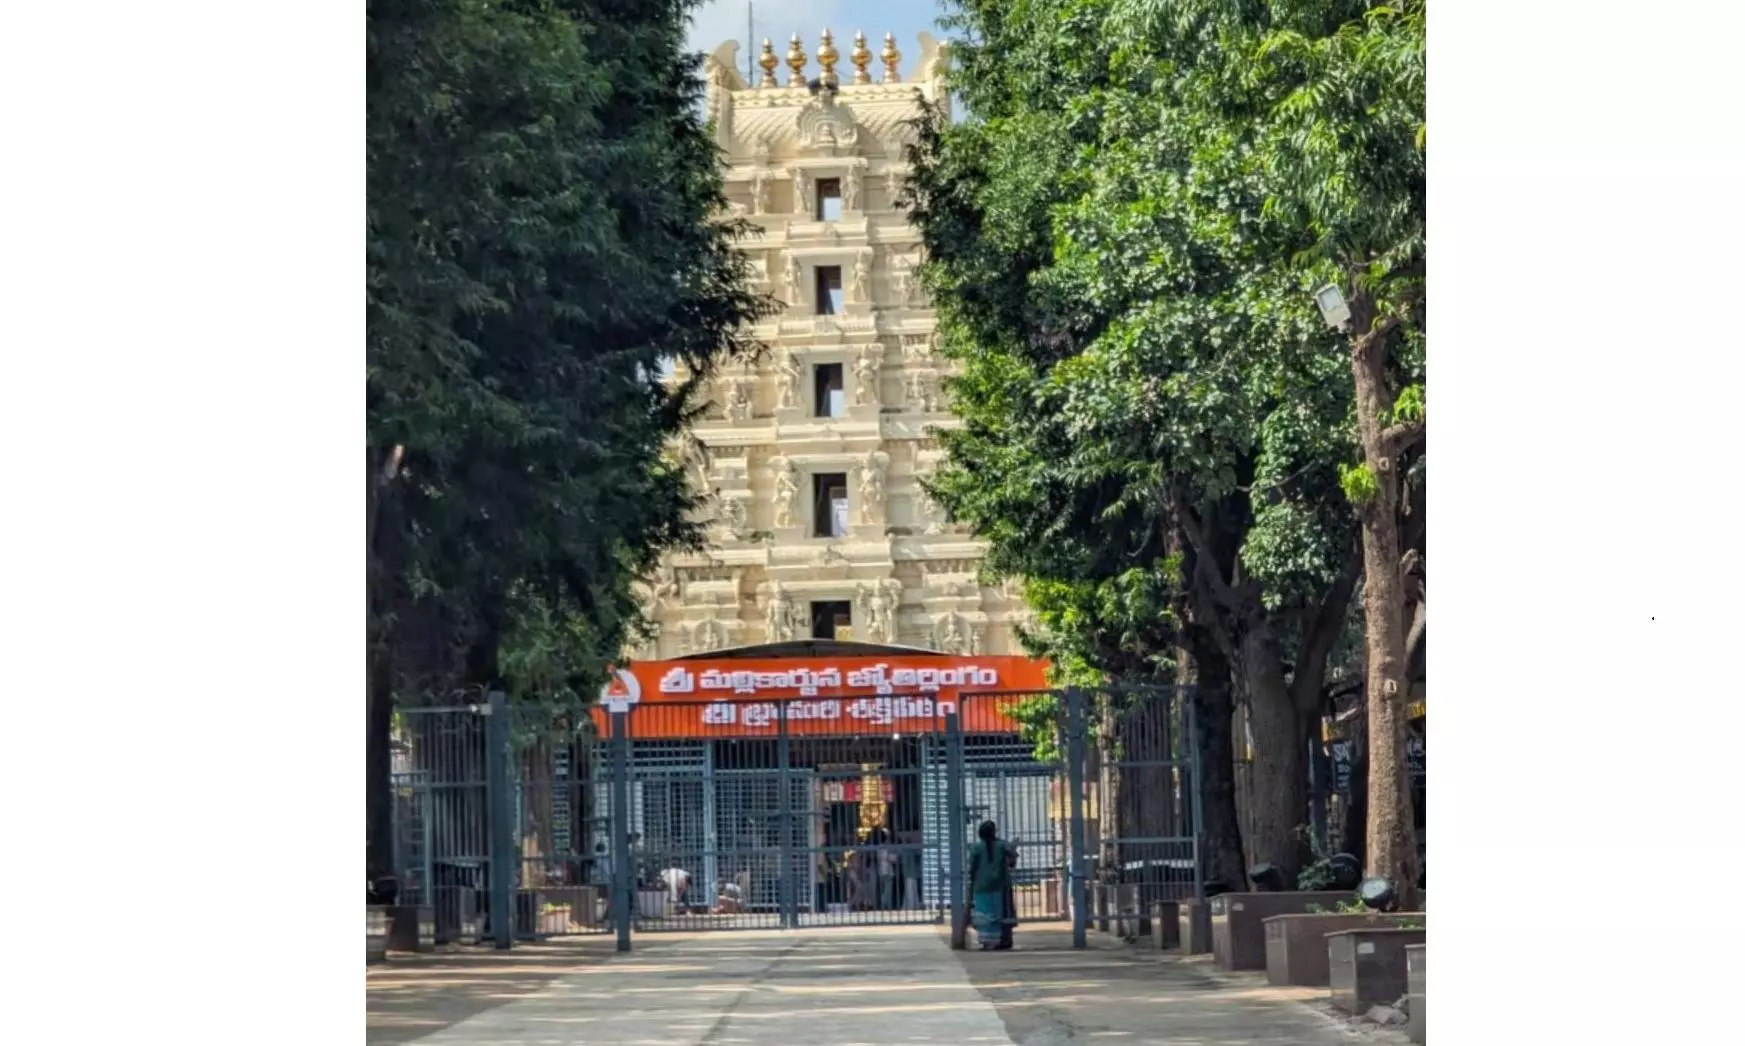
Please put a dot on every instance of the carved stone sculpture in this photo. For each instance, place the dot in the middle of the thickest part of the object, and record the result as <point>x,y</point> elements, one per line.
<point>733,514</point>
<point>851,190</point>
<point>664,588</point>
<point>879,603</point>
<point>788,375</point>
<point>949,636</point>
<point>923,391</point>
<point>787,486</point>
<point>928,514</point>
<point>738,405</point>
<point>871,474</point>
<point>802,194</point>
<point>794,286</point>
<point>709,635</point>
<point>759,194</point>
<point>866,375</point>
<point>778,615</point>
<point>860,288</point>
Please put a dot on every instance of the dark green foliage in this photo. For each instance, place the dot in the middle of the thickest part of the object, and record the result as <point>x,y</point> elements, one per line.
<point>543,234</point>
<point>1122,248</point>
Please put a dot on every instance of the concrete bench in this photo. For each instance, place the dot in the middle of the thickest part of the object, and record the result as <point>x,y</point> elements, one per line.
<point>1368,967</point>
<point>1296,945</point>
<point>1238,930</point>
<point>1415,992</point>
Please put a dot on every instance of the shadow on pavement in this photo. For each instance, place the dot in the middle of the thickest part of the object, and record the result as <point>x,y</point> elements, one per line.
<point>412,996</point>
<point>1047,993</point>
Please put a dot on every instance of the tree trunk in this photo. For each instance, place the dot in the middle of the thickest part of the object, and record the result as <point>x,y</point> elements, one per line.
<point>1203,666</point>
<point>382,542</point>
<point>378,766</point>
<point>1392,840</point>
<point>1280,792</point>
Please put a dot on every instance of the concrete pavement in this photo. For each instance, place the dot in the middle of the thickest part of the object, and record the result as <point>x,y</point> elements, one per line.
<point>879,986</point>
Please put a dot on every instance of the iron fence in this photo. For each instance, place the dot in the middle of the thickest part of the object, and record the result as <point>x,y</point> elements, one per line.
<point>790,813</point>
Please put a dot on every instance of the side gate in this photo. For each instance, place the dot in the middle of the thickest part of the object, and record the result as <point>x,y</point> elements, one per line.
<point>1100,792</point>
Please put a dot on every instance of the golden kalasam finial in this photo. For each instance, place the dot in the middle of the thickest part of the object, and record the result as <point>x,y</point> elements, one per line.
<point>891,57</point>
<point>796,63</point>
<point>860,56</point>
<point>827,56</point>
<point>768,61</point>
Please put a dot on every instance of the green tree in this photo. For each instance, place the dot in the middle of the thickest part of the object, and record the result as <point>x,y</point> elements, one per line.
<point>1345,145</point>
<point>543,236</point>
<point>1145,388</point>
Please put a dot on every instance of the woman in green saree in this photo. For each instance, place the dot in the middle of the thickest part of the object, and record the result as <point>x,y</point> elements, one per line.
<point>990,875</point>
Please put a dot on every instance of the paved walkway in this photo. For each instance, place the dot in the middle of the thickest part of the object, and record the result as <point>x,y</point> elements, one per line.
<point>879,987</point>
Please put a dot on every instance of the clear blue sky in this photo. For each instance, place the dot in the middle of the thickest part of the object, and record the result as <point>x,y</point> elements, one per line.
<point>717,21</point>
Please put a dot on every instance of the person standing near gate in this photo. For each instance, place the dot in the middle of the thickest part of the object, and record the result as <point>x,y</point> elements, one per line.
<point>990,877</point>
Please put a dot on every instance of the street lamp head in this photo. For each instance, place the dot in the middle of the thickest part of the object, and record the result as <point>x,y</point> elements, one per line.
<point>1331,301</point>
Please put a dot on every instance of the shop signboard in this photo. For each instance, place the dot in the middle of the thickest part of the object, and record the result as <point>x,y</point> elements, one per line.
<point>733,697</point>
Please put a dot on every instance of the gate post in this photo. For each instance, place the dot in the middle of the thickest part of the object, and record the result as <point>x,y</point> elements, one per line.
<point>1193,711</point>
<point>623,869</point>
<point>954,802</point>
<point>787,882</point>
<point>1075,783</point>
<point>501,820</point>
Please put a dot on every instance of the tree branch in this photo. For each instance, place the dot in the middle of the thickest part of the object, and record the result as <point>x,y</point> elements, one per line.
<point>1397,439</point>
<point>1205,562</point>
<point>1323,632</point>
<point>1412,581</point>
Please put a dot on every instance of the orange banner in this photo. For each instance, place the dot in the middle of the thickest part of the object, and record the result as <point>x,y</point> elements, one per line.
<point>817,696</point>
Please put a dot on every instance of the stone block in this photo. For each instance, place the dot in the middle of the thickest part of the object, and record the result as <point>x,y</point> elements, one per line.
<point>458,917</point>
<point>1238,929</point>
<point>1128,912</point>
<point>1165,925</point>
<point>412,928</point>
<point>1296,945</point>
<point>1367,967</point>
<point>375,933</point>
<point>1415,991</point>
<point>1100,905</point>
<point>1194,926</point>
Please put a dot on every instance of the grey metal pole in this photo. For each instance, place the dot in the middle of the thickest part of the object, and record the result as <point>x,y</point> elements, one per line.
<point>954,839</point>
<point>787,881</point>
<point>623,868</point>
<point>1075,783</point>
<point>502,827</point>
<point>1198,798</point>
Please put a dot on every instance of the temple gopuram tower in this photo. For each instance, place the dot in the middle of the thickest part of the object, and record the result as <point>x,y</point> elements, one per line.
<point>810,456</point>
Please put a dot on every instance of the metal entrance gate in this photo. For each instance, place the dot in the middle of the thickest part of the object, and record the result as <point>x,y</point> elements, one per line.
<point>633,826</point>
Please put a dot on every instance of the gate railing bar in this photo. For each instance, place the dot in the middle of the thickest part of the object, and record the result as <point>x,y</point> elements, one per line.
<point>786,888</point>
<point>954,839</point>
<point>1075,760</point>
<point>501,828</point>
<point>1198,803</point>
<point>623,874</point>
